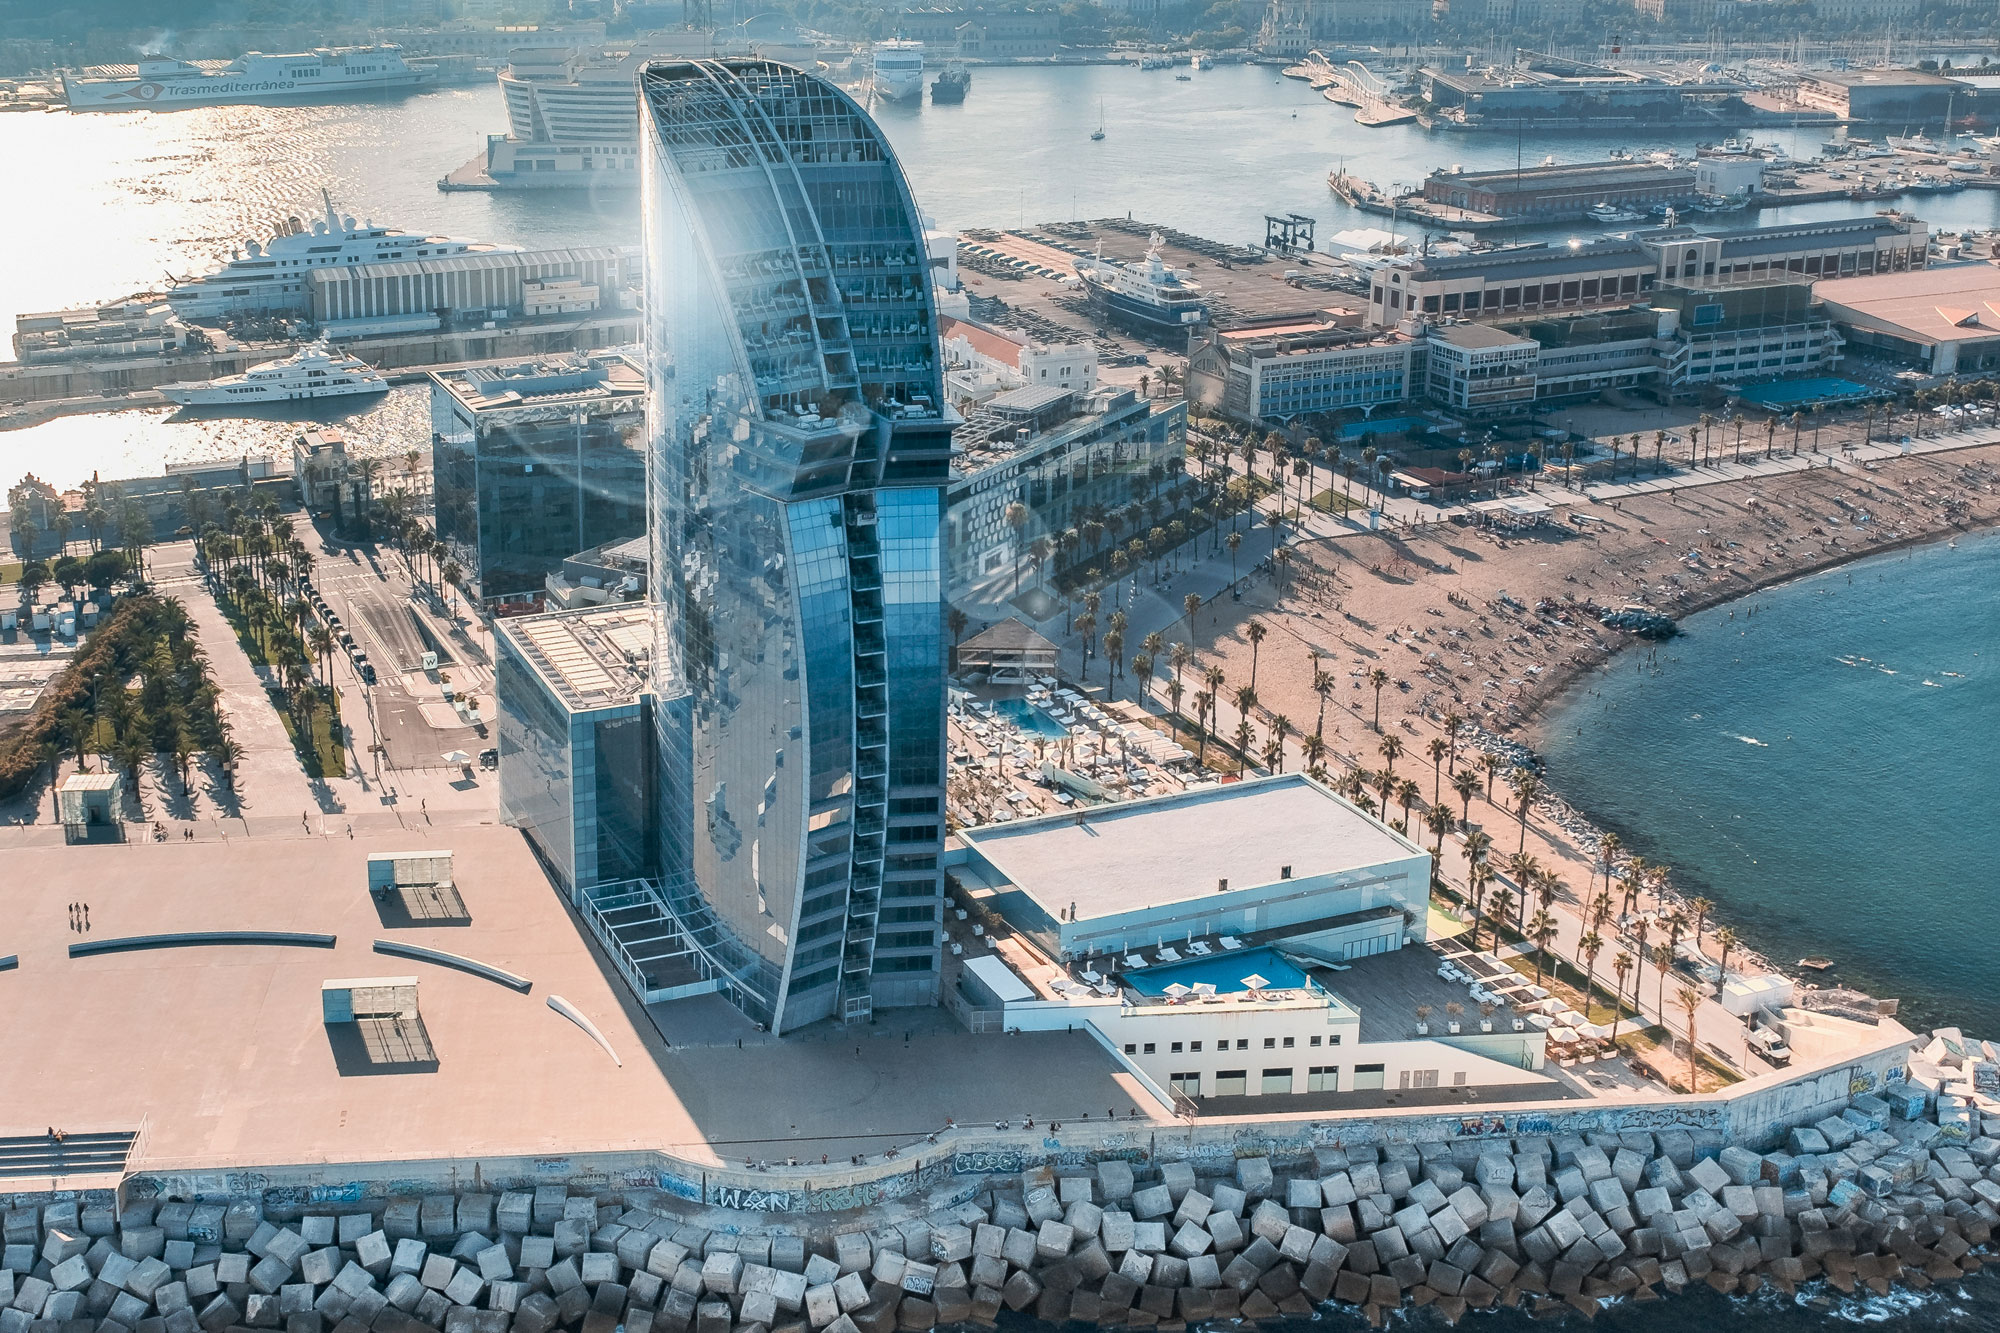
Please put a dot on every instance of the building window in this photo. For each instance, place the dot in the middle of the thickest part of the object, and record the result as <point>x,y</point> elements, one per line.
<point>1242,1043</point>
<point>1231,1082</point>
<point>1270,1043</point>
<point>1188,1085</point>
<point>1175,1048</point>
<point>1131,1048</point>
<point>1277,1081</point>
<point>1195,1047</point>
<point>1323,1078</point>
<point>1288,1043</point>
<point>1367,1077</point>
<point>1149,1048</point>
<point>1315,1041</point>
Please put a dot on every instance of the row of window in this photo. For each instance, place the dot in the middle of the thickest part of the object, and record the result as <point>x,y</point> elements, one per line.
<point>1275,1082</point>
<point>1242,1044</point>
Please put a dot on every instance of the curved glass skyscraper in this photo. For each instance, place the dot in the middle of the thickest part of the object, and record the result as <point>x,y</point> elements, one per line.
<point>798,454</point>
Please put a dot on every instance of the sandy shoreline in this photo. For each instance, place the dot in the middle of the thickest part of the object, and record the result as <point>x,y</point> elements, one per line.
<point>1451,615</point>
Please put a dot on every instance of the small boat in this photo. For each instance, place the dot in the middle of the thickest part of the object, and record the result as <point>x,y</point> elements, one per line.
<point>1606,211</point>
<point>1098,133</point>
<point>1816,963</point>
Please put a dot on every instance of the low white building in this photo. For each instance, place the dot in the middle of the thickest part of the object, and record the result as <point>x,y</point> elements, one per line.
<point>1262,938</point>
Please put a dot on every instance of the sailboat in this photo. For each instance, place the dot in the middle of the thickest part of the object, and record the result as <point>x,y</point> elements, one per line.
<point>1098,133</point>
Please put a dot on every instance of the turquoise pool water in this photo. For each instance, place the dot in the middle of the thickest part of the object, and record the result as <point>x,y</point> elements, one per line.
<point>1354,430</point>
<point>1029,718</point>
<point>1223,971</point>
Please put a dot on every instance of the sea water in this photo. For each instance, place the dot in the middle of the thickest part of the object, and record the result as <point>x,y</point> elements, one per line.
<point>1819,759</point>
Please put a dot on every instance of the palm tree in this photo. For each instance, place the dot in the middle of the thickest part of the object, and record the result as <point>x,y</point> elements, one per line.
<point>1589,946</point>
<point>1702,907</point>
<point>1526,787</point>
<point>1246,699</point>
<point>1437,750</point>
<point>1378,678</point>
<point>1663,961</point>
<point>1620,965</point>
<point>1142,668</point>
<point>76,726</point>
<point>1690,1002</point>
<point>1466,783</point>
<point>1477,877</point>
<point>1281,727</point>
<point>1542,930</point>
<point>1234,540</point>
<point>1440,821</point>
<point>1313,747</point>
<point>1523,868</point>
<point>1451,724</point>
<point>1501,907</point>
<point>1323,684</point>
<point>1489,764</point>
<point>1707,432</point>
<point>1725,938</point>
<point>1608,848</point>
<point>1255,632</point>
<point>1407,795</point>
<point>1390,749</point>
<point>1204,706</point>
<point>1015,515</point>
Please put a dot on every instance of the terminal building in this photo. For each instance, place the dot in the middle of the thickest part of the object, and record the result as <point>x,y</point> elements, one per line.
<point>1545,89</point>
<point>1837,247</point>
<point>1943,321</point>
<point>1280,374</point>
<point>533,462</point>
<point>1262,938</point>
<point>416,295</point>
<point>1904,96</point>
<point>1522,279</point>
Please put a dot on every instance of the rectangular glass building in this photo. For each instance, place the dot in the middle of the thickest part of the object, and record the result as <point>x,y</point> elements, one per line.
<point>799,447</point>
<point>535,462</point>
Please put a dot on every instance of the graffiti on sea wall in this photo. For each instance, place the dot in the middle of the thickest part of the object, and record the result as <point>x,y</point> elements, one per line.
<point>828,1198</point>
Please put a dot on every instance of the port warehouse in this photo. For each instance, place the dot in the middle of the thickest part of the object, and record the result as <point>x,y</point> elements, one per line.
<point>1542,87</point>
<point>1565,191</point>
<point>458,284</point>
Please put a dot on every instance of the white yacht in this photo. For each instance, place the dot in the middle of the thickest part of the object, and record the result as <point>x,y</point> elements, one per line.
<point>899,71</point>
<point>275,276</point>
<point>314,371</point>
<point>304,76</point>
<point>1149,296</point>
<point>1606,211</point>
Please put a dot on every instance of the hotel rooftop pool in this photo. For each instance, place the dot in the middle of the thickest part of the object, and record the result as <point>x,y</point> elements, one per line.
<point>1029,718</point>
<point>1224,971</point>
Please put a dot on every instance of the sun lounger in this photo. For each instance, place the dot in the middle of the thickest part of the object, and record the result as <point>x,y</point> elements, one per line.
<point>1133,960</point>
<point>1169,955</point>
<point>1230,942</point>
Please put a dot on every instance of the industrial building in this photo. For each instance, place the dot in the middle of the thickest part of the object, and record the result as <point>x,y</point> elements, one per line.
<point>614,571</point>
<point>1522,279</point>
<point>981,33</point>
<point>1903,96</point>
<point>799,449</point>
<point>1943,321</point>
<point>412,295</point>
<point>534,461</point>
<point>1259,939</point>
<point>1553,192</point>
<point>1065,457</point>
<point>137,327</point>
<point>1282,373</point>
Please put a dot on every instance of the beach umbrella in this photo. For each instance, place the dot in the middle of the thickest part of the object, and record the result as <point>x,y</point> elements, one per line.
<point>1254,982</point>
<point>1204,988</point>
<point>458,757</point>
<point>1177,990</point>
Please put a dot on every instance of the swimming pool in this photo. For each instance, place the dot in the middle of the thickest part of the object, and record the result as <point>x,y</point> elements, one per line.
<point>1354,430</point>
<point>1223,971</point>
<point>1792,393</point>
<point>1029,718</point>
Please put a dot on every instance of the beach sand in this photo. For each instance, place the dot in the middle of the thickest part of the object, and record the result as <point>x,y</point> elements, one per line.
<point>1451,613</point>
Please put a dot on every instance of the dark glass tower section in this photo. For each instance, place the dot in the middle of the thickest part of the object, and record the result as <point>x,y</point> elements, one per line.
<point>799,448</point>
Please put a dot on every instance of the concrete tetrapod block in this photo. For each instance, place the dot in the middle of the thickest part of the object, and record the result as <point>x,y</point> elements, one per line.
<point>1152,1201</point>
<point>1178,1177</point>
<point>1117,1230</point>
<point>1253,1176</point>
<point>1114,1180</point>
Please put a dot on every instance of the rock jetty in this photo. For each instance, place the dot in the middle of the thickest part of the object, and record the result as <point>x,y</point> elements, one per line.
<point>1878,1195</point>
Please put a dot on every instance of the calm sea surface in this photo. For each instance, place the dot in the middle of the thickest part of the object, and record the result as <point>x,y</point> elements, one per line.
<point>1818,759</point>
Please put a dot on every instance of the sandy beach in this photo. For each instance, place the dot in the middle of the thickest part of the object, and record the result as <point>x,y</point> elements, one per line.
<point>1495,627</point>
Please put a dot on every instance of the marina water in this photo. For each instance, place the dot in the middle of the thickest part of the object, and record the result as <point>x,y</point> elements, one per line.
<point>1818,759</point>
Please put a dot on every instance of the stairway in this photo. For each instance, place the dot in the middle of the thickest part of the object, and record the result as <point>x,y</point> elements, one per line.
<point>78,1154</point>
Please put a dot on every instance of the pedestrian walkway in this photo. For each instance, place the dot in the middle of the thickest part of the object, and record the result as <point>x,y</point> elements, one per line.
<point>268,777</point>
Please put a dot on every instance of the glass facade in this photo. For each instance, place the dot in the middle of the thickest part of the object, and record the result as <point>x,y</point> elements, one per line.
<point>797,456</point>
<point>522,484</point>
<point>575,770</point>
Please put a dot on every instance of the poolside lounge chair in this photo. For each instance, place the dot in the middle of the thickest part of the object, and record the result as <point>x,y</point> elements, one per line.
<point>1169,954</point>
<point>1198,948</point>
<point>1133,960</point>
<point>1230,942</point>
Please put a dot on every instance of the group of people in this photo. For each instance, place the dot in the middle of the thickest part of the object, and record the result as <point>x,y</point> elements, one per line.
<point>79,921</point>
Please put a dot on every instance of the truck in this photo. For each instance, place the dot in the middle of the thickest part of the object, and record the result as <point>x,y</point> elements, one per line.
<point>1768,1043</point>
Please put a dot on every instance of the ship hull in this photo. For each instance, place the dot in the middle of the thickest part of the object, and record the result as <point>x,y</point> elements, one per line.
<point>899,89</point>
<point>140,94</point>
<point>947,94</point>
<point>209,395</point>
<point>1129,312</point>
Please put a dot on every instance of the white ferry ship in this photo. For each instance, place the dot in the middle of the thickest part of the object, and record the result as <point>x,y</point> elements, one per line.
<point>306,76</point>
<point>572,122</point>
<point>1149,296</point>
<point>274,276</point>
<point>899,71</point>
<point>314,371</point>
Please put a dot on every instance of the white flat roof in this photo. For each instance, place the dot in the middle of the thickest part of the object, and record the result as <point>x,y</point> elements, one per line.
<point>999,978</point>
<point>1170,849</point>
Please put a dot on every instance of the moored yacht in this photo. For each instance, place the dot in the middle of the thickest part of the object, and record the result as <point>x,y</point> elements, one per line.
<point>314,371</point>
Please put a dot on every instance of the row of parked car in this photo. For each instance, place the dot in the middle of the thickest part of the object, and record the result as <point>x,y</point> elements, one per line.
<point>355,652</point>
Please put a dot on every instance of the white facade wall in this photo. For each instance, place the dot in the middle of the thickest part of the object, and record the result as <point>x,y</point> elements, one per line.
<point>1403,884</point>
